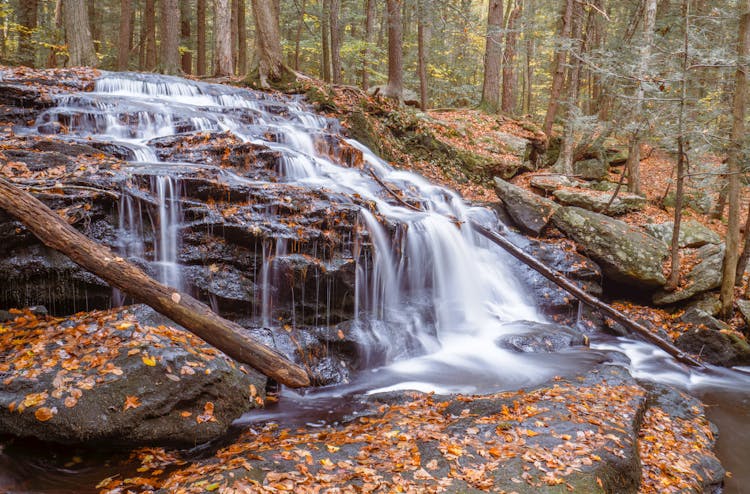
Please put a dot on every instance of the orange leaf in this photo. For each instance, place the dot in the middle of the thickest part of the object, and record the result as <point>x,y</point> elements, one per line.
<point>43,414</point>
<point>131,402</point>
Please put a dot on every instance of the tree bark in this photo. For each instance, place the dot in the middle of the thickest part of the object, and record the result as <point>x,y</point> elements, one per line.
<point>95,23</point>
<point>744,256</point>
<point>235,33</point>
<point>169,48</point>
<point>149,15</point>
<point>558,74</point>
<point>28,16</point>
<point>493,53</point>
<point>633,163</point>
<point>395,87</point>
<point>369,32</point>
<point>125,34</point>
<point>509,55</point>
<point>241,38</point>
<point>223,38</point>
<point>335,41</point>
<point>80,46</point>
<point>200,62</point>
<point>734,165</point>
<point>186,59</point>
<point>325,41</point>
<point>193,315</point>
<point>422,35</point>
<point>298,34</point>
<point>268,40</point>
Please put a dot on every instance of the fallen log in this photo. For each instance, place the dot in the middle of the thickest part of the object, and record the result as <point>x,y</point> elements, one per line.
<point>562,282</point>
<point>183,309</point>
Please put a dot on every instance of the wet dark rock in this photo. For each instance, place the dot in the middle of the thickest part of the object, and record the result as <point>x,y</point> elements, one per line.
<point>698,317</point>
<point>714,346</point>
<point>172,377</point>
<point>703,277</point>
<point>529,211</point>
<point>536,337</point>
<point>626,253</point>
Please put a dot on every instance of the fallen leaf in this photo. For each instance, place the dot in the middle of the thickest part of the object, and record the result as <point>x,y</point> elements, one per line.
<point>131,402</point>
<point>44,414</point>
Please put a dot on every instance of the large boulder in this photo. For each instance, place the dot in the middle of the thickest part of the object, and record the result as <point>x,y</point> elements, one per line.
<point>625,253</point>
<point>535,337</point>
<point>692,233</point>
<point>592,169</point>
<point>598,201</point>
<point>718,347</point>
<point>529,211</point>
<point>550,182</point>
<point>704,276</point>
<point>121,377</point>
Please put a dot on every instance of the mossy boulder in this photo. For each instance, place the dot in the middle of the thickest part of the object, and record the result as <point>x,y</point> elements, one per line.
<point>529,211</point>
<point>703,277</point>
<point>626,253</point>
<point>692,233</point>
<point>599,201</point>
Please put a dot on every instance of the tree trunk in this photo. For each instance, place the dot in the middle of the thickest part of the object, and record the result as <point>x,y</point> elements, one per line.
<point>734,165</point>
<point>298,34</point>
<point>528,102</point>
<point>745,256</point>
<point>633,163</point>
<point>674,275</point>
<point>242,38</point>
<point>56,40</point>
<point>509,55</point>
<point>149,15</point>
<point>369,32</point>
<point>335,42</point>
<point>223,38</point>
<point>193,315</point>
<point>325,40</point>
<point>422,43</point>
<point>395,87</point>
<point>125,34</point>
<point>558,73</point>
<point>235,33</point>
<point>493,52</point>
<point>95,23</point>
<point>186,59</point>
<point>200,62</point>
<point>28,16</point>
<point>564,163</point>
<point>80,46</point>
<point>169,48</point>
<point>268,36</point>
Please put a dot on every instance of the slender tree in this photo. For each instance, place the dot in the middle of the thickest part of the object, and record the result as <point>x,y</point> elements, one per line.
<point>125,34</point>
<point>733,160</point>
<point>395,87</point>
<point>200,59</point>
<point>509,63</point>
<point>28,16</point>
<point>423,35</point>
<point>558,72</point>
<point>335,42</point>
<point>186,58</point>
<point>369,32</point>
<point>241,37</point>
<point>325,40</point>
<point>77,35</point>
<point>493,53</point>
<point>149,16</point>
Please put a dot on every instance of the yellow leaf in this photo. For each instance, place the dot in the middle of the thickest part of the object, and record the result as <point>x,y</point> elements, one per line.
<point>332,448</point>
<point>149,360</point>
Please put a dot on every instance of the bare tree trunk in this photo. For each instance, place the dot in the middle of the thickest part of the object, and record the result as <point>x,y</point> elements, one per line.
<point>57,37</point>
<point>369,32</point>
<point>169,48</point>
<point>422,51</point>
<point>565,160</point>
<point>325,39</point>
<point>734,165</point>
<point>335,42</point>
<point>235,33</point>
<point>558,74</point>
<point>28,16</point>
<point>126,32</point>
<point>509,55</point>
<point>674,275</point>
<point>634,157</point>
<point>80,46</point>
<point>186,59</point>
<point>149,15</point>
<point>528,102</point>
<point>493,52</point>
<point>298,34</point>
<point>183,309</point>
<point>200,63</point>
<point>395,87</point>
<point>95,23</point>
<point>745,256</point>
<point>242,38</point>
<point>223,38</point>
<point>268,36</point>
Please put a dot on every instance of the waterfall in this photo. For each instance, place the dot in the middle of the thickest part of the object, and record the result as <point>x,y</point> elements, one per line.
<point>424,282</point>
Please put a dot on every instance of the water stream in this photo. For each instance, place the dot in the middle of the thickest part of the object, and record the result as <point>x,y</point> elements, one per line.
<point>432,296</point>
